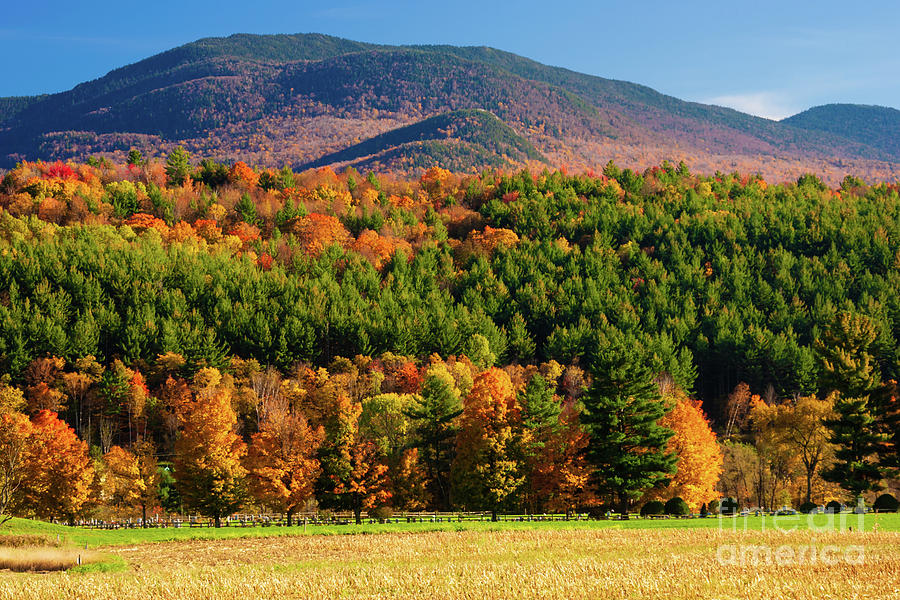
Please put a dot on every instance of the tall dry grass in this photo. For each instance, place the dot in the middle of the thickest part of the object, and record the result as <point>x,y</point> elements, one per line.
<point>667,564</point>
<point>42,558</point>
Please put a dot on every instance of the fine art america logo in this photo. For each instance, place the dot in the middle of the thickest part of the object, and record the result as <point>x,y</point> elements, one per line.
<point>794,554</point>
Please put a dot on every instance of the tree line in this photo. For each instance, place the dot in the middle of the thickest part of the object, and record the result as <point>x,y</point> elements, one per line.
<point>643,283</point>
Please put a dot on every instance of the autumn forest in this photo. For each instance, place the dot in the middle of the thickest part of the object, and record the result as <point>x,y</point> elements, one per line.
<point>186,336</point>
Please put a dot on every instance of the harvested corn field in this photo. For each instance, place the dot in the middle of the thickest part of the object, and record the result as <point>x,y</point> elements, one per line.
<point>609,563</point>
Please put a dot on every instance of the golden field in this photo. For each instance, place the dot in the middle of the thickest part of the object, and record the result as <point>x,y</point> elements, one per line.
<point>644,564</point>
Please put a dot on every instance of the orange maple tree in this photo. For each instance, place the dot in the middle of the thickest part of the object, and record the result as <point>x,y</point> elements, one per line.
<point>699,455</point>
<point>282,462</point>
<point>558,472</point>
<point>435,182</point>
<point>379,249</point>
<point>121,483</point>
<point>143,221</point>
<point>208,230</point>
<point>316,232</point>
<point>243,175</point>
<point>246,232</point>
<point>42,394</point>
<point>58,470</point>
<point>486,242</point>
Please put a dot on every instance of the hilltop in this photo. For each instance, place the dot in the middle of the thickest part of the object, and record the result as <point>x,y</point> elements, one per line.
<point>310,99</point>
<point>876,126</point>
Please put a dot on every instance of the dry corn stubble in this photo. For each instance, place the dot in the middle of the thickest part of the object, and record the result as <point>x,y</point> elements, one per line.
<point>645,564</point>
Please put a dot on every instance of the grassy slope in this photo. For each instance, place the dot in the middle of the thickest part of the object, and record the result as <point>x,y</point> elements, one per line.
<point>97,538</point>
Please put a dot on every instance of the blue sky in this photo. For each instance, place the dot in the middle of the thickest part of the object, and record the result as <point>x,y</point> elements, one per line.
<point>765,57</point>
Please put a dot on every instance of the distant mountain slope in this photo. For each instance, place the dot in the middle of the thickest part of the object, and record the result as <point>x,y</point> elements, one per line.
<point>300,98</point>
<point>11,106</point>
<point>446,138</point>
<point>876,126</point>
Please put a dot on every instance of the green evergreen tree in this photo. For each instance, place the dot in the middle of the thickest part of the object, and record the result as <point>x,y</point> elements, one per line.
<point>847,365</point>
<point>246,210</point>
<point>627,448</point>
<point>855,434</point>
<point>135,157</point>
<point>178,166</point>
<point>435,426</point>
<point>850,369</point>
<point>540,409</point>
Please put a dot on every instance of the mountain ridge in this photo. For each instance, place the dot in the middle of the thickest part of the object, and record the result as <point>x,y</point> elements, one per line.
<point>301,97</point>
<point>878,126</point>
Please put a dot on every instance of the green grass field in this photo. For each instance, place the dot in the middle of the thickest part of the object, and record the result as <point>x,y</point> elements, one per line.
<point>101,538</point>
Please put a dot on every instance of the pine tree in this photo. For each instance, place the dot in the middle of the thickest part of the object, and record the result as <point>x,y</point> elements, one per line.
<point>854,432</point>
<point>178,166</point>
<point>246,210</point>
<point>435,424</point>
<point>850,369</point>
<point>135,157</point>
<point>848,366</point>
<point>628,446</point>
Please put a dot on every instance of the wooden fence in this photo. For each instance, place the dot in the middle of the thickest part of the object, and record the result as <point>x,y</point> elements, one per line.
<point>302,520</point>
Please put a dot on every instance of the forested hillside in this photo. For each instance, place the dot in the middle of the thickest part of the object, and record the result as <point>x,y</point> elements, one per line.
<point>524,300</point>
<point>725,278</point>
<point>877,126</point>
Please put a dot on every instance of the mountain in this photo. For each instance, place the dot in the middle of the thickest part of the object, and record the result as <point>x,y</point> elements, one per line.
<point>875,126</point>
<point>311,99</point>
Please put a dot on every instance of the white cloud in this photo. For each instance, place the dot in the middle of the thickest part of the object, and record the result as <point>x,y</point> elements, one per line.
<point>769,105</point>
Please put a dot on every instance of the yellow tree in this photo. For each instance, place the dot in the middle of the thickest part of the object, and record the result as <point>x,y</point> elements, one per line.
<point>800,427</point>
<point>385,420</point>
<point>15,438</point>
<point>148,469</point>
<point>353,476</point>
<point>208,455</point>
<point>121,484</point>
<point>282,462</point>
<point>11,398</point>
<point>486,472</point>
<point>779,462</point>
